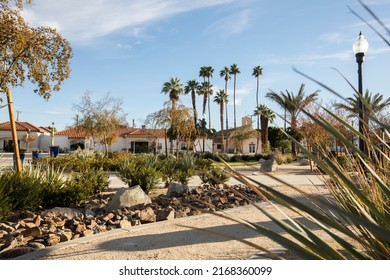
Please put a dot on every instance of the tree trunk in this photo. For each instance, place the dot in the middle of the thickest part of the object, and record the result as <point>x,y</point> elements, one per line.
<point>222,132</point>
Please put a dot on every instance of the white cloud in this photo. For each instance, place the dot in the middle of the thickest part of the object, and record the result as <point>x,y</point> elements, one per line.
<point>83,21</point>
<point>124,46</point>
<point>233,24</point>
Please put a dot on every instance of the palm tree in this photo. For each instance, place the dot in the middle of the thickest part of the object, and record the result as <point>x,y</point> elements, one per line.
<point>375,104</point>
<point>174,88</point>
<point>225,74</point>
<point>234,70</point>
<point>221,98</point>
<point>266,115</point>
<point>193,88</point>
<point>206,72</point>
<point>293,104</point>
<point>257,72</point>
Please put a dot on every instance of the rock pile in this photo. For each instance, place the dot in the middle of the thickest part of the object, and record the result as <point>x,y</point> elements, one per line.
<point>26,232</point>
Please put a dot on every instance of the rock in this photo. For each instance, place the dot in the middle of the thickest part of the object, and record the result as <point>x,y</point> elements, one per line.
<point>66,235</point>
<point>68,213</point>
<point>304,161</point>
<point>269,165</point>
<point>147,215</point>
<point>128,198</point>
<point>6,227</point>
<point>37,220</point>
<point>30,225</point>
<point>87,232</point>
<point>180,214</point>
<point>89,213</point>
<point>124,224</point>
<point>179,189</point>
<point>261,161</point>
<point>36,245</point>
<point>32,232</point>
<point>10,242</point>
<point>108,217</point>
<point>165,214</point>
<point>80,228</point>
<point>16,252</point>
<point>52,239</point>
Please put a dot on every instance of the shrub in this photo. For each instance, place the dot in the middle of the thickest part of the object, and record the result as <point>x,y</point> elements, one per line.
<point>141,170</point>
<point>80,186</point>
<point>213,176</point>
<point>185,167</point>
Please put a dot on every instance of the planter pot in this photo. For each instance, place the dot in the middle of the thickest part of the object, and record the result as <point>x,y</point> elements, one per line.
<point>54,151</point>
<point>36,155</point>
<point>22,157</point>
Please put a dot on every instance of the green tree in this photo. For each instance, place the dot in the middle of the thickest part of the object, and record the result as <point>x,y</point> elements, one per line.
<point>225,74</point>
<point>376,104</point>
<point>39,54</point>
<point>234,70</point>
<point>193,87</point>
<point>293,104</point>
<point>257,72</point>
<point>207,72</point>
<point>174,88</point>
<point>221,98</point>
<point>266,115</point>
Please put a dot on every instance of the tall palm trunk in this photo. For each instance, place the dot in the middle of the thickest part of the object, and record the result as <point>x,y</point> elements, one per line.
<point>194,107</point>
<point>234,100</point>
<point>227,129</point>
<point>221,107</point>
<point>264,132</point>
<point>258,117</point>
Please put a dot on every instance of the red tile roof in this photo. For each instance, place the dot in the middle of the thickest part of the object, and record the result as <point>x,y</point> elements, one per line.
<point>22,126</point>
<point>128,132</point>
<point>145,133</point>
<point>72,133</point>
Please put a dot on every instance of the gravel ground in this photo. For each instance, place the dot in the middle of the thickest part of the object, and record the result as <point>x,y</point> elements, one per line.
<point>202,237</point>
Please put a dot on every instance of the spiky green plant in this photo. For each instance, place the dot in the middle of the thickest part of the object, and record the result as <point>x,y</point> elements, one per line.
<point>356,217</point>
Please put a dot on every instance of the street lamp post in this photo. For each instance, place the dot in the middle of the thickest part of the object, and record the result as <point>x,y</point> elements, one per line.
<point>360,48</point>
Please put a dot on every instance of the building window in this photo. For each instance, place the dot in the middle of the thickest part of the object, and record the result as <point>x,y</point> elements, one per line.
<point>219,146</point>
<point>252,148</point>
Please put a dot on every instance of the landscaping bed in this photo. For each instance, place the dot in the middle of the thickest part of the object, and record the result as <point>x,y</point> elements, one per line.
<point>29,231</point>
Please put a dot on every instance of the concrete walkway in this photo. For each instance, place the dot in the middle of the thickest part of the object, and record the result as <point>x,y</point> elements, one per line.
<point>206,236</point>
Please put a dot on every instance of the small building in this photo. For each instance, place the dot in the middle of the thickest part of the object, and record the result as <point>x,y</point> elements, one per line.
<point>134,140</point>
<point>247,143</point>
<point>30,137</point>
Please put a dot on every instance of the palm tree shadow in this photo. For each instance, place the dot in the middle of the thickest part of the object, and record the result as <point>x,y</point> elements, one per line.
<point>188,237</point>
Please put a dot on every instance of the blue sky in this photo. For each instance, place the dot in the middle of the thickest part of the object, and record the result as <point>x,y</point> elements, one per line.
<point>129,48</point>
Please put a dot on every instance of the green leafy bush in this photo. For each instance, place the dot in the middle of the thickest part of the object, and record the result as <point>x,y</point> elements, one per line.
<point>44,186</point>
<point>213,176</point>
<point>141,170</point>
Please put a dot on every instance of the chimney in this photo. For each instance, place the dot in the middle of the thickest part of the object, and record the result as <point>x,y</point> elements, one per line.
<point>246,121</point>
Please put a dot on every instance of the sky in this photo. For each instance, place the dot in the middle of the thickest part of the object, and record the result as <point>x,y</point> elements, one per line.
<point>130,48</point>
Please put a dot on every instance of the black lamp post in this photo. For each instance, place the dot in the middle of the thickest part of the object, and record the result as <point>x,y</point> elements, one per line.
<point>360,48</point>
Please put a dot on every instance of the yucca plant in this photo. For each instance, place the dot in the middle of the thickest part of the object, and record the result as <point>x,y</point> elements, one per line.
<point>356,216</point>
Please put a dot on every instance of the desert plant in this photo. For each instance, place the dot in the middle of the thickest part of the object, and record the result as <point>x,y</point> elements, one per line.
<point>185,168</point>
<point>142,171</point>
<point>213,176</point>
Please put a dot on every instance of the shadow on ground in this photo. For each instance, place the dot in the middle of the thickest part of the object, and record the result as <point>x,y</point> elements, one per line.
<point>178,239</point>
